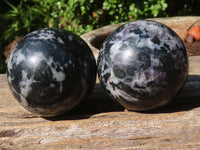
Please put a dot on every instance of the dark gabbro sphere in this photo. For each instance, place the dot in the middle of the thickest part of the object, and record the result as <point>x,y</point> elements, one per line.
<point>142,65</point>
<point>50,71</point>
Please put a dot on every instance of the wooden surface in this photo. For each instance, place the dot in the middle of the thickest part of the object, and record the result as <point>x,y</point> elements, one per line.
<point>99,123</point>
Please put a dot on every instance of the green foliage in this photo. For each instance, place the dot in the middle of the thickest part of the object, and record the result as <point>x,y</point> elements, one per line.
<point>91,14</point>
<point>31,15</point>
<point>80,16</point>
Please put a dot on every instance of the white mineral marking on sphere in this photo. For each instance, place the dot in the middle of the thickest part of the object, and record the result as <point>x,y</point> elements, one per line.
<point>10,79</point>
<point>10,64</point>
<point>10,67</point>
<point>60,40</point>
<point>52,85</point>
<point>46,36</point>
<point>70,37</point>
<point>48,31</point>
<point>146,42</point>
<point>114,50</point>
<point>43,35</point>
<point>113,78</point>
<point>70,61</point>
<point>155,62</point>
<point>23,101</point>
<point>120,34</point>
<point>66,64</point>
<point>20,57</point>
<point>33,32</point>
<point>25,84</point>
<point>60,76</point>
<point>117,92</point>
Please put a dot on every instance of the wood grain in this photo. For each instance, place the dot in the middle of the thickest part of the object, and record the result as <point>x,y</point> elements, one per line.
<point>100,123</point>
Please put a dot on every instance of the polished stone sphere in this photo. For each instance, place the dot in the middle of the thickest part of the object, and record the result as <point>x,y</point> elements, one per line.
<point>50,71</point>
<point>142,65</point>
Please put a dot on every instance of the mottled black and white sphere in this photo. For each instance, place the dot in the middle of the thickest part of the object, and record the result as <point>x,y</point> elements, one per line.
<point>50,71</point>
<point>142,65</point>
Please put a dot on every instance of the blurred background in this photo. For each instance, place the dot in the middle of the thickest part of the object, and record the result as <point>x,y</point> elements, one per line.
<point>19,17</point>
